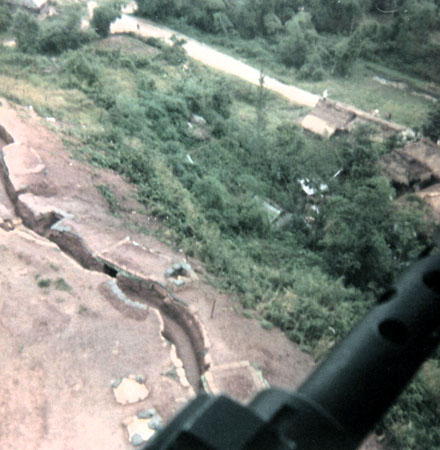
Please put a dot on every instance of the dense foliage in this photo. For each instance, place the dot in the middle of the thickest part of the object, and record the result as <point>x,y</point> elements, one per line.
<point>103,16</point>
<point>431,128</point>
<point>53,35</point>
<point>5,18</point>
<point>404,32</point>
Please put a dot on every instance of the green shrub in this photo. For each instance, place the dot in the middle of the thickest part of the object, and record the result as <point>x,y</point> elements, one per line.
<point>174,54</point>
<point>44,283</point>
<point>110,197</point>
<point>312,69</point>
<point>60,33</point>
<point>317,308</point>
<point>336,16</point>
<point>26,31</point>
<point>5,18</point>
<point>412,423</point>
<point>81,69</point>
<point>254,219</point>
<point>431,127</point>
<point>272,23</point>
<point>62,285</point>
<point>300,40</point>
<point>103,16</point>
<point>345,53</point>
<point>221,23</point>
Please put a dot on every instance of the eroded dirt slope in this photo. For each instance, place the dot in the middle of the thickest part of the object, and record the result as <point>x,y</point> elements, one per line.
<point>68,330</point>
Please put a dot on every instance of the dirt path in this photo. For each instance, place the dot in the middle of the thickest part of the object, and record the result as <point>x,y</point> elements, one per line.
<point>214,58</point>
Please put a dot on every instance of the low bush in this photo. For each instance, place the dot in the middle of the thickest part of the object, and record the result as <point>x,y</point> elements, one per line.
<point>64,32</point>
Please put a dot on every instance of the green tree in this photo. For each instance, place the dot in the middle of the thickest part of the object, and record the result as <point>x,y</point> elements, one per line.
<point>26,31</point>
<point>82,70</point>
<point>345,53</point>
<point>103,16</point>
<point>299,42</point>
<point>203,15</point>
<point>416,20</point>
<point>255,17</point>
<point>221,23</point>
<point>272,23</point>
<point>159,9</point>
<point>5,18</point>
<point>354,243</point>
<point>367,237</point>
<point>63,32</point>
<point>431,127</point>
<point>285,9</point>
<point>336,16</point>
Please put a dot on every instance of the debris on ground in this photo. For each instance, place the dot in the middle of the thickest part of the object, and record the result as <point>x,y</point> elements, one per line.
<point>180,274</point>
<point>130,389</point>
<point>143,425</point>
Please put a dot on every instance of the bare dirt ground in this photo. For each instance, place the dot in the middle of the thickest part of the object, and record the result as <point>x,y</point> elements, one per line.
<point>63,337</point>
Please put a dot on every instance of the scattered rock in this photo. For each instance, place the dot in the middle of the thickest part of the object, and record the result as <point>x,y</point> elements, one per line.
<point>179,269</point>
<point>146,413</point>
<point>156,423</point>
<point>116,383</point>
<point>137,439</point>
<point>140,379</point>
<point>179,282</point>
<point>130,390</point>
<point>143,426</point>
<point>180,274</point>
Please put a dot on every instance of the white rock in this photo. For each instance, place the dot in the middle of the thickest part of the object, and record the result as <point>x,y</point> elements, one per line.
<point>130,391</point>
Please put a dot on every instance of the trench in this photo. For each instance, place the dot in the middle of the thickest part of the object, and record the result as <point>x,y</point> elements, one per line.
<point>8,206</point>
<point>175,333</point>
<point>180,326</point>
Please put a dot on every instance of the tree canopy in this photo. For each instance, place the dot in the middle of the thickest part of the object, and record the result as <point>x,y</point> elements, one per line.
<point>103,16</point>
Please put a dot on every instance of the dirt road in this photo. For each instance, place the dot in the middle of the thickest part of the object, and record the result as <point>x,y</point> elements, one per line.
<point>214,58</point>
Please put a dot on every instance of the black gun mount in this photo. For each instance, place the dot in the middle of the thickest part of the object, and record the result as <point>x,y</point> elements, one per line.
<point>342,400</point>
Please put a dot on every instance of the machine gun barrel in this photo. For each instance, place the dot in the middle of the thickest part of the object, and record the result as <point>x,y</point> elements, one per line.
<point>342,400</point>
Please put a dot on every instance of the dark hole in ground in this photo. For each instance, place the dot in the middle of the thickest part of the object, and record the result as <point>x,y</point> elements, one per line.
<point>108,270</point>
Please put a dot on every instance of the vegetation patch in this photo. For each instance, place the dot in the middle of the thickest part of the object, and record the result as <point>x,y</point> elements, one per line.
<point>44,283</point>
<point>62,285</point>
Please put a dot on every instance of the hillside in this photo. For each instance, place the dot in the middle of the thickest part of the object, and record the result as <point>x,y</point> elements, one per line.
<point>132,157</point>
<point>67,320</point>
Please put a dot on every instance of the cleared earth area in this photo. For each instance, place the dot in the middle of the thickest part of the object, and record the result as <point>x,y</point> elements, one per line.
<point>73,320</point>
